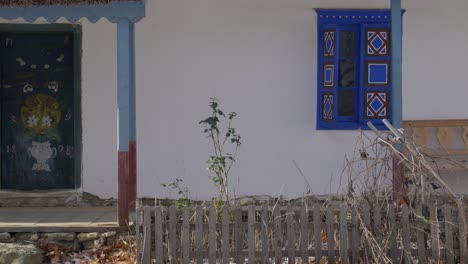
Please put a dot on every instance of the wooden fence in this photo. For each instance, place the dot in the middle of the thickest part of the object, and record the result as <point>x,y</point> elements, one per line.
<point>302,234</point>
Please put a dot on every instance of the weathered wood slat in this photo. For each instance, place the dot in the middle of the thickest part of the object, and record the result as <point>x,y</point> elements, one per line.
<point>199,234</point>
<point>344,234</point>
<point>436,123</point>
<point>278,235</point>
<point>158,235</point>
<point>185,240</point>
<point>317,233</point>
<point>355,237</point>
<point>137,230</point>
<point>421,136</point>
<point>446,137</point>
<point>330,235</point>
<point>212,236</point>
<point>435,249</point>
<point>173,234</point>
<point>405,234</point>
<point>231,225</point>
<point>449,254</point>
<point>251,235</point>
<point>392,233</point>
<point>304,233</point>
<point>265,234</point>
<point>291,235</point>
<point>147,235</point>
<point>463,233</point>
<point>420,234</point>
<point>378,223</point>
<point>238,236</point>
<point>367,226</point>
<point>465,136</point>
<point>225,231</point>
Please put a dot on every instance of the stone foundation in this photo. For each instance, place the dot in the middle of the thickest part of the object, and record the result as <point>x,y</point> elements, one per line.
<point>72,240</point>
<point>51,199</point>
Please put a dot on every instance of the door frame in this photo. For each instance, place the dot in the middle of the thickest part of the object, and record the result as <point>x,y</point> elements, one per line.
<point>76,30</point>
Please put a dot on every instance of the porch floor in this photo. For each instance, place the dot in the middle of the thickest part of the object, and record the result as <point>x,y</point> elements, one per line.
<point>58,219</point>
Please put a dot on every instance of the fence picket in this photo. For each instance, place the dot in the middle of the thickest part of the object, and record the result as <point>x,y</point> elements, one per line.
<point>251,235</point>
<point>378,223</point>
<point>225,226</point>
<point>147,235</point>
<point>406,233</point>
<point>212,236</point>
<point>434,232</point>
<point>238,236</point>
<point>278,235</point>
<point>392,233</point>
<point>344,234</point>
<point>367,226</point>
<point>158,235</point>
<point>199,234</point>
<point>264,235</point>
<point>137,230</point>
<point>185,236</point>
<point>173,234</point>
<point>330,235</point>
<point>304,234</point>
<point>356,238</point>
<point>291,235</point>
<point>317,234</point>
<point>420,234</point>
<point>463,233</point>
<point>449,254</point>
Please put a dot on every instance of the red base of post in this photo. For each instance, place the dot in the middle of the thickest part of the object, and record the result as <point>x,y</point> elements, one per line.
<point>123,196</point>
<point>399,190</point>
<point>132,185</point>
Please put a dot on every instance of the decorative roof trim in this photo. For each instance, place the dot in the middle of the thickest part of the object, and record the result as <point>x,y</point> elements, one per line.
<point>355,15</point>
<point>114,11</point>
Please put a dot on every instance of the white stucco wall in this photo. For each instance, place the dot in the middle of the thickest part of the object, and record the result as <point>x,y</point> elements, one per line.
<point>259,58</point>
<point>99,109</point>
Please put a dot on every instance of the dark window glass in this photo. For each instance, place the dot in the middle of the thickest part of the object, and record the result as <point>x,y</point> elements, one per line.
<point>346,44</point>
<point>347,74</point>
<point>346,102</point>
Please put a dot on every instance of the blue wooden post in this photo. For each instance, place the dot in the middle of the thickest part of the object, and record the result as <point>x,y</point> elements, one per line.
<point>396,64</point>
<point>399,192</point>
<point>132,129</point>
<point>126,80</point>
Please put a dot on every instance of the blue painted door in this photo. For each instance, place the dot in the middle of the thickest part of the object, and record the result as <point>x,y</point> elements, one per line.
<point>37,110</point>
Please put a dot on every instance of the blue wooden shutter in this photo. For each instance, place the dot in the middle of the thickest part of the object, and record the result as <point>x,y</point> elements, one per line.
<point>326,78</point>
<point>375,73</point>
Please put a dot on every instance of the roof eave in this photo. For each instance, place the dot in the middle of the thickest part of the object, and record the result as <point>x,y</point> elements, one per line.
<point>113,11</point>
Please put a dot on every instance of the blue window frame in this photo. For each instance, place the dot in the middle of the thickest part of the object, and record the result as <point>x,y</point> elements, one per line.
<point>354,63</point>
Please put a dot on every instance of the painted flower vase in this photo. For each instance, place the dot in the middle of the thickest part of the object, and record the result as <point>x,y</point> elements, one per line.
<point>42,152</point>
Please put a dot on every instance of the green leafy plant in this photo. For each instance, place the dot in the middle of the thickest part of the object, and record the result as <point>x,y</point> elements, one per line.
<point>183,192</point>
<point>221,160</point>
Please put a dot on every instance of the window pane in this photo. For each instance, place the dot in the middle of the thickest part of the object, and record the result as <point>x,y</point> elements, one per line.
<point>346,102</point>
<point>346,44</point>
<point>346,74</point>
